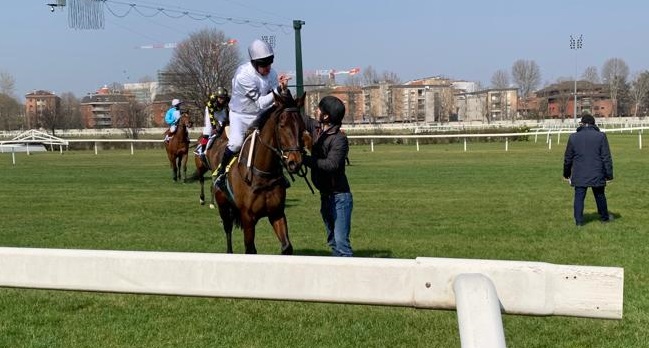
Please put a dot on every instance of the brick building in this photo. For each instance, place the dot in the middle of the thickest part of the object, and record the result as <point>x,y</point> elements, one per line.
<point>37,103</point>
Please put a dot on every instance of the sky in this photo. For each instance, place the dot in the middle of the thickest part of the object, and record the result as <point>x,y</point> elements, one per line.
<point>464,40</point>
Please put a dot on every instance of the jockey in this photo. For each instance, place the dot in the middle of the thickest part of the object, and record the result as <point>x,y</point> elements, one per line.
<point>252,93</point>
<point>216,117</point>
<point>171,118</point>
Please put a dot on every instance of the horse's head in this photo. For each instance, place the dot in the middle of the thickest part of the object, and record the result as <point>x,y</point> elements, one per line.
<point>289,130</point>
<point>185,120</point>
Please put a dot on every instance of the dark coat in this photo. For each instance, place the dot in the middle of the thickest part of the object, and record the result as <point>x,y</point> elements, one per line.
<point>587,161</point>
<point>327,160</point>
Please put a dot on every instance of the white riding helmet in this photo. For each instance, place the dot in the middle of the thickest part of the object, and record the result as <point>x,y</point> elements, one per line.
<point>175,102</point>
<point>259,49</point>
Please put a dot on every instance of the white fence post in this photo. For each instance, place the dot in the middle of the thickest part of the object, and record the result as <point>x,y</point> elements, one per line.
<point>464,144</point>
<point>95,147</point>
<point>506,144</point>
<point>640,140</point>
<point>372,144</point>
<point>131,148</point>
<point>417,145</point>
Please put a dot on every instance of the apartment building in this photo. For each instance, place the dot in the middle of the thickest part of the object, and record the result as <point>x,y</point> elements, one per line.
<point>37,104</point>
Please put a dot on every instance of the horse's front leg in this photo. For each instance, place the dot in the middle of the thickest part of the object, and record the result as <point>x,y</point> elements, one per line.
<point>227,219</point>
<point>280,226</point>
<point>184,165</point>
<point>174,170</point>
<point>248,226</point>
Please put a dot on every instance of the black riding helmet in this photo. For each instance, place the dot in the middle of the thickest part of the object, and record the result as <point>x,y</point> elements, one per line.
<point>333,107</point>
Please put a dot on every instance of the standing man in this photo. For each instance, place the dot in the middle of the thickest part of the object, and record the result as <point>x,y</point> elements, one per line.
<point>252,93</point>
<point>327,163</point>
<point>587,163</point>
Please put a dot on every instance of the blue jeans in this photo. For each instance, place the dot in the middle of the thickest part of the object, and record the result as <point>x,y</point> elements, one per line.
<point>336,211</point>
<point>600,200</point>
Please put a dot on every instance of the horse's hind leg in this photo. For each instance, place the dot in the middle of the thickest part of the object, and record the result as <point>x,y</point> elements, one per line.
<point>280,226</point>
<point>201,180</point>
<point>212,203</point>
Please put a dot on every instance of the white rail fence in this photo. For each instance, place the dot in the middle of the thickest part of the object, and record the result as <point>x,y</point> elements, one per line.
<point>479,289</point>
<point>12,146</point>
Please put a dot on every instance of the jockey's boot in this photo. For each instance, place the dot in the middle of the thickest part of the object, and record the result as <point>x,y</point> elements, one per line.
<point>220,171</point>
<point>199,150</point>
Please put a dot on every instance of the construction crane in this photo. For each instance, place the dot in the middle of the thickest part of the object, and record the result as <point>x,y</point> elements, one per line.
<point>174,45</point>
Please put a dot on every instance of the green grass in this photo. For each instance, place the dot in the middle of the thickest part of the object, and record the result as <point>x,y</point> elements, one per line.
<point>438,202</point>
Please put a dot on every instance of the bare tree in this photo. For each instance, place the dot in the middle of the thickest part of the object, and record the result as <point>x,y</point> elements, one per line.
<point>543,108</point>
<point>50,119</point>
<point>200,64</point>
<point>614,73</point>
<point>391,77</point>
<point>370,77</point>
<point>133,117</point>
<point>590,74</point>
<point>10,112</point>
<point>526,75</point>
<point>70,111</point>
<point>116,88</point>
<point>562,102</point>
<point>639,89</point>
<point>312,82</point>
<point>353,80</point>
<point>500,79</point>
<point>7,84</point>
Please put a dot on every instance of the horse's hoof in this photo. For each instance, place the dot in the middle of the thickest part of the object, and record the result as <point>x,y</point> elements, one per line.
<point>212,206</point>
<point>202,202</point>
<point>288,250</point>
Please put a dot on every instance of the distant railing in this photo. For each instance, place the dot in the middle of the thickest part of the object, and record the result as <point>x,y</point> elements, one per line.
<point>6,145</point>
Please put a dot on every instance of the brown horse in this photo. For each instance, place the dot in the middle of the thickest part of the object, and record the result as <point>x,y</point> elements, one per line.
<point>178,147</point>
<point>212,160</point>
<point>255,185</point>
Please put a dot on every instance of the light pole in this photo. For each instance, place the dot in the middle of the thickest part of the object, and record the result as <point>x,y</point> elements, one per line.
<point>575,44</point>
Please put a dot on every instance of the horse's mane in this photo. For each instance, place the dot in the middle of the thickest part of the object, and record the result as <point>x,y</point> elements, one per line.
<point>287,102</point>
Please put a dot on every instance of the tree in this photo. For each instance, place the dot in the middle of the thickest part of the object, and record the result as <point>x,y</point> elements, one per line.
<point>370,77</point>
<point>200,64</point>
<point>10,112</point>
<point>50,119</point>
<point>70,111</point>
<point>133,116</point>
<point>614,73</point>
<point>639,90</point>
<point>526,75</point>
<point>590,74</point>
<point>544,106</point>
<point>7,84</point>
<point>500,79</point>
<point>391,77</point>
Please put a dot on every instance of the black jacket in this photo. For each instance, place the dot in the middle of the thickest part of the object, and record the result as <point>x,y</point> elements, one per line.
<point>327,160</point>
<point>587,161</point>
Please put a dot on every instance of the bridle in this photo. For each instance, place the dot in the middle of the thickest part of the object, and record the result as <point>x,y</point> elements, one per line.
<point>278,150</point>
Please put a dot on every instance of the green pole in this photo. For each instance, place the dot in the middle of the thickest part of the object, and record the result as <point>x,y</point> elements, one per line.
<point>299,84</point>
